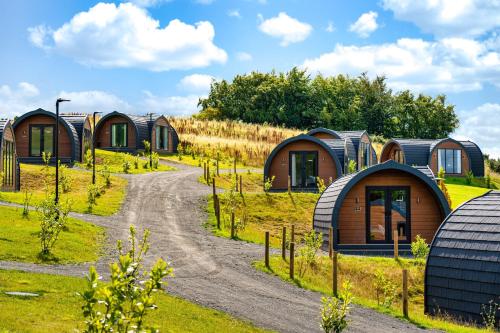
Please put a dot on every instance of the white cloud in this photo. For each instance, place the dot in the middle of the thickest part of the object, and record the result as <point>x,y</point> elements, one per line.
<point>447,65</point>
<point>148,3</point>
<point>448,17</point>
<point>205,2</point>
<point>196,83</point>
<point>17,100</point>
<point>171,105</point>
<point>94,100</point>
<point>365,25</point>
<point>481,125</point>
<point>244,56</point>
<point>330,27</point>
<point>234,13</point>
<point>127,36</point>
<point>286,28</point>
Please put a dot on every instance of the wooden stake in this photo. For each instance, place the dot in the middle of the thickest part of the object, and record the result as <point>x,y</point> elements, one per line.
<point>289,184</point>
<point>266,253</point>
<point>232,224</point>
<point>213,187</point>
<point>405,293</point>
<point>217,210</point>
<point>292,236</point>
<point>217,166</point>
<point>235,166</point>
<point>283,244</point>
<point>241,184</point>
<point>330,242</point>
<point>205,170</point>
<point>396,244</point>
<point>292,258</point>
<point>334,274</point>
<point>208,173</point>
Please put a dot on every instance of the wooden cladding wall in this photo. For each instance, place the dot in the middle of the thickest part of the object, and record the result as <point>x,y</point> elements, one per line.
<point>22,132</point>
<point>280,164</point>
<point>389,152</point>
<point>163,122</point>
<point>103,136</point>
<point>425,212</point>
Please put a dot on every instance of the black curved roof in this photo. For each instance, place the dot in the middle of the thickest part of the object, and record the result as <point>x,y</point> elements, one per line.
<point>463,266</point>
<point>326,131</point>
<point>142,125</point>
<point>77,120</point>
<point>305,137</point>
<point>343,148</point>
<point>475,157</point>
<point>439,141</point>
<point>415,151</point>
<point>3,123</point>
<point>355,136</point>
<point>327,208</point>
<point>72,133</point>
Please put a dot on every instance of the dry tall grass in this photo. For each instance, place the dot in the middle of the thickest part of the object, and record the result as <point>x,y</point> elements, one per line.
<point>250,144</point>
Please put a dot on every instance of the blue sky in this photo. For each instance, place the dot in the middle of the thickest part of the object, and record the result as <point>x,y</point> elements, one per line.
<point>160,56</point>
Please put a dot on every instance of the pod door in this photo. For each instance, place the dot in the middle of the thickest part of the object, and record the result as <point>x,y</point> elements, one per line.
<point>387,210</point>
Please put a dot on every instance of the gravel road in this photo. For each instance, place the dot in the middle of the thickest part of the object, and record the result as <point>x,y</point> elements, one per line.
<point>211,271</point>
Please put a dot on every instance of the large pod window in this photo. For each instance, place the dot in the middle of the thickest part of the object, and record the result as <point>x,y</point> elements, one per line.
<point>119,135</point>
<point>41,140</point>
<point>450,160</point>
<point>303,169</point>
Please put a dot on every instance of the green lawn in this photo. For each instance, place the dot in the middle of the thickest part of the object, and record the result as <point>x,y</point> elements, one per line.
<point>79,242</point>
<point>58,309</point>
<point>460,192</point>
<point>266,212</point>
<point>360,271</point>
<point>32,180</point>
<point>116,160</point>
<point>252,182</point>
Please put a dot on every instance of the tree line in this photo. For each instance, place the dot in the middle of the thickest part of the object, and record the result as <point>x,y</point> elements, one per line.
<point>295,99</point>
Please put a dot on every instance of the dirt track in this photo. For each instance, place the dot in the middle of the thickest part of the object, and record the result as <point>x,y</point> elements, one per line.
<point>212,271</point>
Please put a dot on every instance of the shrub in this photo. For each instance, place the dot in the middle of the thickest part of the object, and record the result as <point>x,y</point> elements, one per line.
<point>419,248</point>
<point>335,310</point>
<point>489,314</point>
<point>53,218</point>
<point>307,252</point>
<point>321,185</point>
<point>64,178</point>
<point>155,159</point>
<point>488,180</point>
<point>469,177</point>
<point>180,150</point>
<point>106,175</point>
<point>88,159</point>
<point>122,305</point>
<point>268,184</point>
<point>441,173</point>
<point>384,287</point>
<point>136,162</point>
<point>93,192</point>
<point>352,166</point>
<point>26,204</point>
<point>126,166</point>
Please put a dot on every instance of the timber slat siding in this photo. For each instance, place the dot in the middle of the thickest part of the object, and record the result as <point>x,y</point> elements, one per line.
<point>463,267</point>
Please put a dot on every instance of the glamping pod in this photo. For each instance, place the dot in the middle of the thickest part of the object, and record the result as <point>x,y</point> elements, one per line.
<point>463,267</point>
<point>35,134</point>
<point>81,123</point>
<point>365,153</point>
<point>303,158</point>
<point>9,164</point>
<point>366,207</point>
<point>451,155</point>
<point>117,131</point>
<point>164,137</point>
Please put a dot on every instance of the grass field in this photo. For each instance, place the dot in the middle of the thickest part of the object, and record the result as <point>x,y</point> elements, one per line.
<point>58,309</point>
<point>266,212</point>
<point>32,180</point>
<point>360,271</point>
<point>252,182</point>
<point>79,242</point>
<point>116,160</point>
<point>198,160</point>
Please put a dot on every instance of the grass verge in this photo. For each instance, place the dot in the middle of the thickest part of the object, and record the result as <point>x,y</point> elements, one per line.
<point>197,161</point>
<point>360,271</point>
<point>58,308</point>
<point>32,180</point>
<point>265,212</point>
<point>252,182</point>
<point>78,242</point>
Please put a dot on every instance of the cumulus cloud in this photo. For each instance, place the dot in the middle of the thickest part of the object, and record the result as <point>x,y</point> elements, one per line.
<point>127,36</point>
<point>148,3</point>
<point>196,83</point>
<point>244,56</point>
<point>447,65</point>
<point>481,125</point>
<point>330,27</point>
<point>286,28</point>
<point>234,13</point>
<point>171,105</point>
<point>465,18</point>
<point>365,24</point>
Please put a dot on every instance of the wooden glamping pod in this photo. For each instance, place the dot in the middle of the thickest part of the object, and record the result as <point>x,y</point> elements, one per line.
<point>457,158</point>
<point>365,153</point>
<point>463,267</point>
<point>303,158</point>
<point>81,123</point>
<point>126,133</point>
<point>34,133</point>
<point>366,207</point>
<point>9,164</point>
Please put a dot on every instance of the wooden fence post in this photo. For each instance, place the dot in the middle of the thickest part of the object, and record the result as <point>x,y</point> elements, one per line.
<point>292,258</point>
<point>205,170</point>
<point>283,244</point>
<point>330,242</point>
<point>217,166</point>
<point>396,244</point>
<point>208,173</point>
<point>289,184</point>
<point>241,184</point>
<point>335,273</point>
<point>232,224</point>
<point>235,166</point>
<point>292,234</point>
<point>405,293</point>
<point>217,210</point>
<point>214,192</point>
<point>266,253</point>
